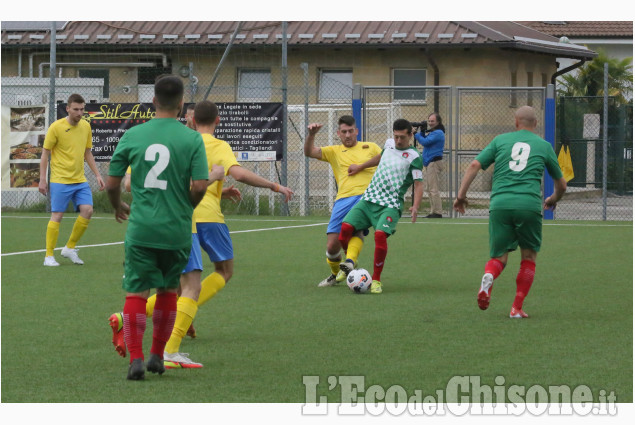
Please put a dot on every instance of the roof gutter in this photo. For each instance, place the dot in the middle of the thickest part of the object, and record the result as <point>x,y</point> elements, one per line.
<point>565,70</point>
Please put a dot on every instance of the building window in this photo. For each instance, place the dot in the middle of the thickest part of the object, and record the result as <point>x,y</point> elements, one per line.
<point>530,83</point>
<point>148,75</point>
<point>409,77</point>
<point>336,86</point>
<point>254,85</point>
<point>98,73</point>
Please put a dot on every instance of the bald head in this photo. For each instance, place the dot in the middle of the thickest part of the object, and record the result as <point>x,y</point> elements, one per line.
<point>526,118</point>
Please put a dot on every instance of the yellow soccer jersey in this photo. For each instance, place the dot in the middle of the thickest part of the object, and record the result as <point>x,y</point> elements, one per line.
<point>220,153</point>
<point>68,144</point>
<point>340,157</point>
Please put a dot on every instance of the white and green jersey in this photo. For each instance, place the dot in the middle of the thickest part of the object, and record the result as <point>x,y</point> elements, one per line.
<point>396,172</point>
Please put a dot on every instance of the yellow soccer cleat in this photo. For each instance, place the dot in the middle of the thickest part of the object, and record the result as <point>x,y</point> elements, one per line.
<point>375,287</point>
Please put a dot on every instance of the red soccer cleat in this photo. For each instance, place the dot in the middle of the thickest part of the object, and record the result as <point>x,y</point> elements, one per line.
<point>517,313</point>
<point>116,323</point>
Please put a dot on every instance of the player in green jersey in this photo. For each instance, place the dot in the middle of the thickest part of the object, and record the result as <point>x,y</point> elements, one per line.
<point>515,219</point>
<point>400,166</point>
<point>169,178</point>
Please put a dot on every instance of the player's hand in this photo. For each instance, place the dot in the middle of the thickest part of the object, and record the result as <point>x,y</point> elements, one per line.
<point>413,214</point>
<point>122,212</point>
<point>42,187</point>
<point>314,128</point>
<point>232,194</point>
<point>216,173</point>
<point>549,204</point>
<point>101,183</point>
<point>460,204</point>
<point>286,192</point>
<point>354,169</point>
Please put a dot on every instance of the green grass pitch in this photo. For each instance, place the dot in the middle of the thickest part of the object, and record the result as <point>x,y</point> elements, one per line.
<point>272,325</point>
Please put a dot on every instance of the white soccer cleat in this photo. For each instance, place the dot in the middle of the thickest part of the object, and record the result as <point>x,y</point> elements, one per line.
<point>50,261</point>
<point>347,266</point>
<point>179,361</point>
<point>71,254</point>
<point>485,292</point>
<point>329,281</point>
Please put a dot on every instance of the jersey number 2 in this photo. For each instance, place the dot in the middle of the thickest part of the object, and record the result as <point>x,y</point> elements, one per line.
<point>520,154</point>
<point>152,179</point>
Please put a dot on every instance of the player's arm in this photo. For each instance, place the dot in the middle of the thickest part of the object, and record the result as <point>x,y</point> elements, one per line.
<point>416,199</point>
<point>197,191</point>
<point>113,188</point>
<point>309,144</point>
<point>90,160</point>
<point>560,186</point>
<point>461,198</point>
<point>44,160</point>
<point>356,168</point>
<point>215,174</point>
<point>252,179</point>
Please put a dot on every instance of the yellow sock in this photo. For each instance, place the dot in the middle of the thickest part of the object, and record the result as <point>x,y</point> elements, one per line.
<point>354,248</point>
<point>78,230</point>
<point>210,287</point>
<point>150,305</point>
<point>186,309</point>
<point>52,232</point>
<point>334,265</point>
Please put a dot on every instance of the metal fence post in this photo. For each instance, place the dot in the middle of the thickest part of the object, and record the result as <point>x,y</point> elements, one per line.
<point>357,109</point>
<point>605,136</point>
<point>305,68</point>
<point>550,136</point>
<point>52,104</point>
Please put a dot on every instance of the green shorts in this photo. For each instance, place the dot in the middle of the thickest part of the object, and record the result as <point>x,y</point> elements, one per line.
<point>366,214</point>
<point>148,268</point>
<point>509,229</point>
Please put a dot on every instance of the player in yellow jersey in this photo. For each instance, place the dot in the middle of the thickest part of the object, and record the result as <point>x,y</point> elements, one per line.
<point>68,142</point>
<point>213,234</point>
<point>350,189</point>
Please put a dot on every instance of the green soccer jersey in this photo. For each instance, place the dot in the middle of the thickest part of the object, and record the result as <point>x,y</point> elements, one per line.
<point>163,155</point>
<point>520,158</point>
<point>397,170</point>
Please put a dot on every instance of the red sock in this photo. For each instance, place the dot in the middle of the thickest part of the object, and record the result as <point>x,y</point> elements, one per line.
<point>345,235</point>
<point>163,321</point>
<point>381,250</point>
<point>523,282</point>
<point>134,325</point>
<point>494,267</point>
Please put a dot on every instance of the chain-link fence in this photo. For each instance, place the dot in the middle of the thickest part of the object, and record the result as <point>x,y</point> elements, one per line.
<point>599,189</point>
<point>316,88</point>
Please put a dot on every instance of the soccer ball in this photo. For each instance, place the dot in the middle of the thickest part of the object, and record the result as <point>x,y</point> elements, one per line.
<point>359,281</point>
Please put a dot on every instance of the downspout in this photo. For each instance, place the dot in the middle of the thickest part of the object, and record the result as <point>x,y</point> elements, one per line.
<point>565,70</point>
<point>434,66</point>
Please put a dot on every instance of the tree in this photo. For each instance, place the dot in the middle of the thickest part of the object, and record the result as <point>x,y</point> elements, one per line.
<point>589,80</point>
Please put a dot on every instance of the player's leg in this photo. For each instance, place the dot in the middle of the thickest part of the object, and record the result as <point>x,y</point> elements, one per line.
<point>502,239</point>
<point>216,242</point>
<point>59,201</point>
<point>171,264</point>
<point>186,307</point>
<point>529,229</point>
<point>385,222</point>
<point>83,198</point>
<point>141,272</point>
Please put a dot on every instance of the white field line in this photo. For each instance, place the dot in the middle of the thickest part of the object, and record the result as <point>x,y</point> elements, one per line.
<point>119,243</point>
<point>447,222</point>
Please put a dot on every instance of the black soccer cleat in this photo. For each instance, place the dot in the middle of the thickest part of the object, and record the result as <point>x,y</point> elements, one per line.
<point>136,371</point>
<point>155,364</point>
